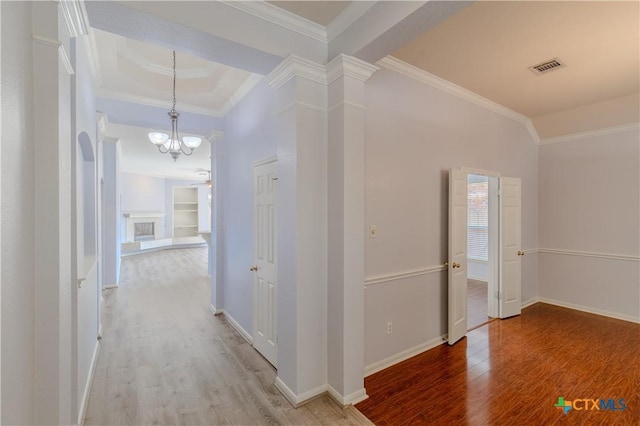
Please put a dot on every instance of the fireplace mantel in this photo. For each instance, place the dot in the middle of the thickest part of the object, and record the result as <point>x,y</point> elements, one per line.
<point>131,218</point>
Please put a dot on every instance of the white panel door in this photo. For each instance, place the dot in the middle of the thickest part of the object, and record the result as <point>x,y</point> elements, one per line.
<point>457,255</point>
<point>265,339</point>
<point>510,247</point>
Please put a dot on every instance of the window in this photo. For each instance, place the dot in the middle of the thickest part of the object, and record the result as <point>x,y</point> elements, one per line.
<point>478,217</point>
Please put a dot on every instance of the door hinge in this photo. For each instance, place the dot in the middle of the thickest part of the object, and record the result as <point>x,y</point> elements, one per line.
<point>498,295</point>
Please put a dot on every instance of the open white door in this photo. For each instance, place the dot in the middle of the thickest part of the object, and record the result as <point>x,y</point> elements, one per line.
<point>265,340</point>
<point>510,247</point>
<point>457,255</point>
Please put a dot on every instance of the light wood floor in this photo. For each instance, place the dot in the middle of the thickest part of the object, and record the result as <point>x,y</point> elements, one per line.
<point>511,372</point>
<point>165,360</point>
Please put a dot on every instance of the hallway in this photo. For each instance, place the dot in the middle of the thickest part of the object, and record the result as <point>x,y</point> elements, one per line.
<point>165,359</point>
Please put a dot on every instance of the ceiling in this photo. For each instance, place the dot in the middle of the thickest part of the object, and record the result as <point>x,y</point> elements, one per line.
<point>487,49</point>
<point>139,156</point>
<point>132,70</point>
<point>320,12</point>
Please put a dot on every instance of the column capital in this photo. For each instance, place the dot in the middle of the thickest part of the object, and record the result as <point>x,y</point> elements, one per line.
<point>296,66</point>
<point>344,65</point>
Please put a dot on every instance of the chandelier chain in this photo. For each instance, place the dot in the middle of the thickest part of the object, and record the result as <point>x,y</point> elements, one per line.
<point>174,81</point>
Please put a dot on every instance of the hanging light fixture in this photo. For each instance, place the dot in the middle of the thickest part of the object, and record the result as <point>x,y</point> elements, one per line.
<point>173,145</point>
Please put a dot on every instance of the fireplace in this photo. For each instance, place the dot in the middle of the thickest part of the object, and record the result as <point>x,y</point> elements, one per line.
<point>143,231</point>
<point>143,226</point>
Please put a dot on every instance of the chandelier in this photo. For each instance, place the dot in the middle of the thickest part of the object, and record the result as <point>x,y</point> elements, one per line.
<point>174,145</point>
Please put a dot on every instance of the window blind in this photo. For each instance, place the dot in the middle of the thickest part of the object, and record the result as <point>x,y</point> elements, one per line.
<point>478,218</point>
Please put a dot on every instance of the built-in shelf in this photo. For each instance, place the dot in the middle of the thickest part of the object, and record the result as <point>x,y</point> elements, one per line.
<point>185,212</point>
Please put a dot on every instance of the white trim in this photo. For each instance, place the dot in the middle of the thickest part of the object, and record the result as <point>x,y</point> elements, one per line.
<point>298,400</point>
<point>590,254</point>
<point>244,88</point>
<point>348,16</point>
<point>296,66</point>
<point>531,251</point>
<point>270,159</point>
<point>74,17</point>
<point>64,58</point>
<point>281,17</point>
<point>345,104</point>
<point>589,310</point>
<point>351,399</point>
<point>46,41</point>
<point>87,388</point>
<point>348,66</point>
<point>214,311</point>
<point>214,135</point>
<point>422,76</point>
<point>102,92</point>
<point>109,286</point>
<point>590,134</point>
<point>237,326</point>
<point>301,105</point>
<point>404,355</point>
<point>401,275</point>
<point>529,302</point>
<point>480,172</point>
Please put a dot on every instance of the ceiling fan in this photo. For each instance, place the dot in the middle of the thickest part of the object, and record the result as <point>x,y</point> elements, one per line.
<point>206,182</point>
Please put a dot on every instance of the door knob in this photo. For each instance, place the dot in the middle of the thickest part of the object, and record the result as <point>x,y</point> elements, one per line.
<point>253,268</point>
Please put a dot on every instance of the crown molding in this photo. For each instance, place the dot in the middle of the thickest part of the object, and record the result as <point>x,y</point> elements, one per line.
<point>281,17</point>
<point>74,16</point>
<point>64,58</point>
<point>214,135</point>
<point>102,92</point>
<point>93,59</point>
<point>45,41</point>
<point>423,76</point>
<point>344,65</point>
<point>244,88</point>
<point>296,66</point>
<point>591,133</point>
<point>348,16</point>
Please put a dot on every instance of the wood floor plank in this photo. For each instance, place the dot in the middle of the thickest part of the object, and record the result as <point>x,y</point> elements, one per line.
<point>513,371</point>
<point>165,360</point>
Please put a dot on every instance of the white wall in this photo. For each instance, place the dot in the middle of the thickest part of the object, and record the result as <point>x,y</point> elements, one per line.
<point>17,220</point>
<point>88,296</point>
<point>142,193</point>
<point>112,218</point>
<point>590,203</point>
<point>415,134</point>
<point>249,136</point>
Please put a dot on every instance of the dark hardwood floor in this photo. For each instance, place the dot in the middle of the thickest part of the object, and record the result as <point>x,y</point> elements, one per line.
<point>476,303</point>
<point>511,372</point>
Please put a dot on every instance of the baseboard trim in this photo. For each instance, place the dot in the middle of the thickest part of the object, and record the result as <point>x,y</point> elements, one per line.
<point>351,399</point>
<point>215,311</point>
<point>87,388</point>
<point>299,400</point>
<point>590,310</point>
<point>234,324</point>
<point>404,355</point>
<point>529,302</point>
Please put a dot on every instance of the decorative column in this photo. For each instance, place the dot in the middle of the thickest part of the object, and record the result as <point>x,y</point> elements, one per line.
<point>55,363</point>
<point>301,93</point>
<point>215,246</point>
<point>346,206</point>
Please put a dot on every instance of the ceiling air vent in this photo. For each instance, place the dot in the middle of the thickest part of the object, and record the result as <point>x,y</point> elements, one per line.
<point>547,66</point>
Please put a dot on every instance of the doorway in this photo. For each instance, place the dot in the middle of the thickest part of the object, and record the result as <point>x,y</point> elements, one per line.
<point>503,249</point>
<point>482,238</point>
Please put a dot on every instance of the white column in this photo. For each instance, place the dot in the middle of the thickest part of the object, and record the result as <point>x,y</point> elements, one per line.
<point>300,88</point>
<point>346,233</point>
<point>216,247</point>
<point>55,325</point>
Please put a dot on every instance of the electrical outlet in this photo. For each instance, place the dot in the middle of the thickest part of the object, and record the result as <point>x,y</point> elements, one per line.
<point>373,231</point>
<point>389,327</point>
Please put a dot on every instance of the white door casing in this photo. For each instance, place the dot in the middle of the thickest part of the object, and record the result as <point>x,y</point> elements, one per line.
<point>510,247</point>
<point>457,268</point>
<point>265,340</point>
